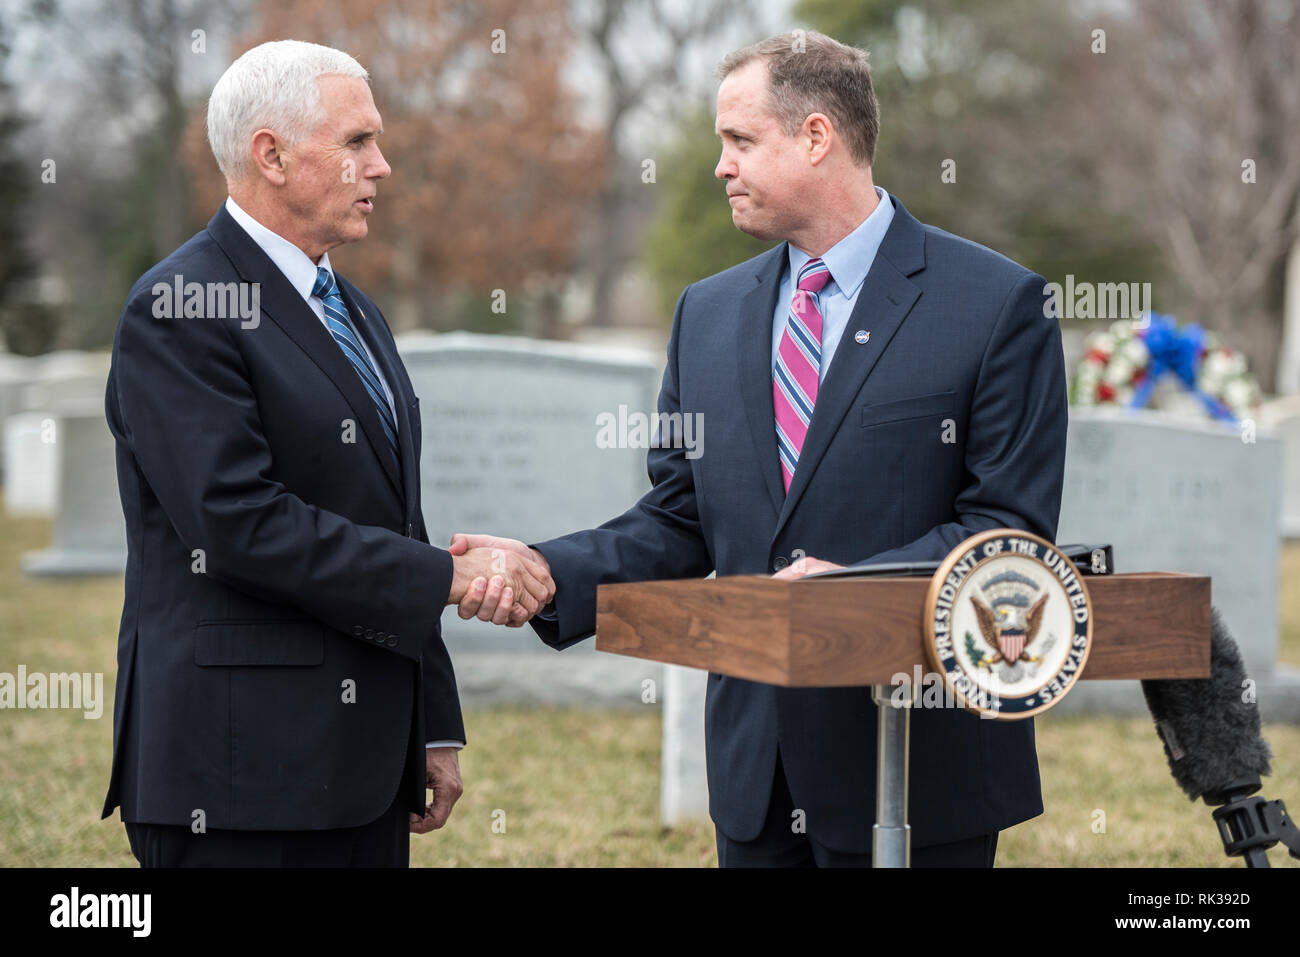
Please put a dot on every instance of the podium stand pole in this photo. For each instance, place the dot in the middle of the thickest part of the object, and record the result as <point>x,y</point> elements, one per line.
<point>891,839</point>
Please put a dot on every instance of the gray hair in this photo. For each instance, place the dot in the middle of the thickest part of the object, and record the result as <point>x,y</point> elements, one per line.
<point>808,72</point>
<point>271,86</point>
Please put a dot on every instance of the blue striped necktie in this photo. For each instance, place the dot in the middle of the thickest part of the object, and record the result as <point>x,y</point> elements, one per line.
<point>340,326</point>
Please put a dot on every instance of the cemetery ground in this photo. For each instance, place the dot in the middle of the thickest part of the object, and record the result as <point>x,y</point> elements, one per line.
<point>572,788</point>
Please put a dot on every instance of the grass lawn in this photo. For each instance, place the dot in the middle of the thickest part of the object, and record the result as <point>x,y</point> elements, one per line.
<point>572,788</point>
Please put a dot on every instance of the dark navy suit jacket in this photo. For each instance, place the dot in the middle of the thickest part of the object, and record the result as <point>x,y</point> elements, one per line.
<point>960,349</point>
<point>275,570</point>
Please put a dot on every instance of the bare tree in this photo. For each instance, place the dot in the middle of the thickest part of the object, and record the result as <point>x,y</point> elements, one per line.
<point>109,80</point>
<point>640,49</point>
<point>1200,111</point>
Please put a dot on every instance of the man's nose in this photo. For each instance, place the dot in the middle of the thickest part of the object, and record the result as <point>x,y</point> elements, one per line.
<point>382,169</point>
<point>726,169</point>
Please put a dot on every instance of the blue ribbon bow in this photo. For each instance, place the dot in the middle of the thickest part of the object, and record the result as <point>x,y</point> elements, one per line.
<point>1175,350</point>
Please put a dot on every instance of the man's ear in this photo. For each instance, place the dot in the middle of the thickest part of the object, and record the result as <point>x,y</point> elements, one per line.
<point>267,152</point>
<point>818,132</point>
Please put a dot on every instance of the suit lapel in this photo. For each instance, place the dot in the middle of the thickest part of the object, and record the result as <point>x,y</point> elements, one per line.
<point>282,304</point>
<point>884,301</point>
<point>754,351</point>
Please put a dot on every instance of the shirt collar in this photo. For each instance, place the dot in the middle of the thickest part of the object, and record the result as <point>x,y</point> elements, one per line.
<point>850,258</point>
<point>288,258</point>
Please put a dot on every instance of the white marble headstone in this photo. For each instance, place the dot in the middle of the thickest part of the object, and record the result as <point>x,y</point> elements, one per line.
<point>1172,495</point>
<point>31,389</point>
<point>15,373</point>
<point>31,485</point>
<point>1282,418</point>
<point>89,530</point>
<point>1198,497</point>
<point>510,448</point>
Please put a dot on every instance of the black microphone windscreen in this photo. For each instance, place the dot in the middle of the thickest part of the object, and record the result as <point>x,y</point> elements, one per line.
<point>1210,726</point>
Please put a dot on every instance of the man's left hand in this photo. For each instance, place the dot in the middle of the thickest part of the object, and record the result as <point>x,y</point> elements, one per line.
<point>442,777</point>
<point>804,566</point>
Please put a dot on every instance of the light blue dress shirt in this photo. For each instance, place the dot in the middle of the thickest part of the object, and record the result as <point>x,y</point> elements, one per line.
<point>848,260</point>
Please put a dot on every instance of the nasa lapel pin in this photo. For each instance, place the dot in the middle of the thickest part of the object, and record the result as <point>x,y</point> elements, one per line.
<point>861,337</point>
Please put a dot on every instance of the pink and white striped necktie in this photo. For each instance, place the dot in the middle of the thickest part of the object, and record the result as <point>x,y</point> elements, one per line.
<point>798,365</point>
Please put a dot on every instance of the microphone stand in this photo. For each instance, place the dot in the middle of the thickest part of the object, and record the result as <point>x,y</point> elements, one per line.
<point>1250,825</point>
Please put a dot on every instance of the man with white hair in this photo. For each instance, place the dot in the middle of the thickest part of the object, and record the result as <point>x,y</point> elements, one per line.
<point>284,695</point>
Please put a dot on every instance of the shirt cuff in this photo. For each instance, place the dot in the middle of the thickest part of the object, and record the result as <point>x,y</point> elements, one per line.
<point>549,613</point>
<point>445,744</point>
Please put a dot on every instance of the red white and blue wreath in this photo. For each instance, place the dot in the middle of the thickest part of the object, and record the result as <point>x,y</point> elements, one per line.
<point>1122,366</point>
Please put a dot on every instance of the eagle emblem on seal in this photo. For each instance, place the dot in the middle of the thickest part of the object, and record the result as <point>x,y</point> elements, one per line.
<point>1008,623</point>
<point>1009,618</point>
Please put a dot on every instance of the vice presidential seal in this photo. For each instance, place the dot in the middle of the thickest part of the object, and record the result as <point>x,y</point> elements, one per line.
<point>1008,623</point>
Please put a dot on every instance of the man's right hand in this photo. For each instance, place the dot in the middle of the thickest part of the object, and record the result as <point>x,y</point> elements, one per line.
<point>498,579</point>
<point>499,602</point>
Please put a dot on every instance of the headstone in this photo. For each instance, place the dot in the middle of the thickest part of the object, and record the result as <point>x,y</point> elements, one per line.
<point>1073,342</point>
<point>1174,495</point>
<point>70,389</point>
<point>1288,359</point>
<point>684,782</point>
<point>66,376</point>
<point>31,483</point>
<point>89,530</point>
<point>63,363</point>
<point>1282,418</point>
<point>39,385</point>
<point>510,448</point>
<point>15,373</point>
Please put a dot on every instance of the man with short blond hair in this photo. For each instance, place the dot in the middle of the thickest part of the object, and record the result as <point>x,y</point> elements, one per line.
<point>876,390</point>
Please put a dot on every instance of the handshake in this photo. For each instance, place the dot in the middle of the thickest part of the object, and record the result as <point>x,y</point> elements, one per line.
<point>498,579</point>
<point>503,581</point>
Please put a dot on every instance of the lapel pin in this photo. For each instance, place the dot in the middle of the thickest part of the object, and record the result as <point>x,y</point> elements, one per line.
<point>861,336</point>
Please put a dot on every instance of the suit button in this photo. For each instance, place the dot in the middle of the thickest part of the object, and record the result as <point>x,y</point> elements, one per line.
<point>780,562</point>
<point>358,630</point>
<point>392,641</point>
<point>380,636</point>
<point>370,633</point>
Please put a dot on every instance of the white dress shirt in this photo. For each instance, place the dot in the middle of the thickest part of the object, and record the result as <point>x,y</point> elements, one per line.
<point>301,273</point>
<point>298,268</point>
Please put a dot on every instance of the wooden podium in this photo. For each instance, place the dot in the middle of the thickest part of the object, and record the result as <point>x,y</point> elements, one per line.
<point>862,632</point>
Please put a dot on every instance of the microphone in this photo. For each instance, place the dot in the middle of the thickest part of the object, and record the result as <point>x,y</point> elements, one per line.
<point>1210,729</point>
